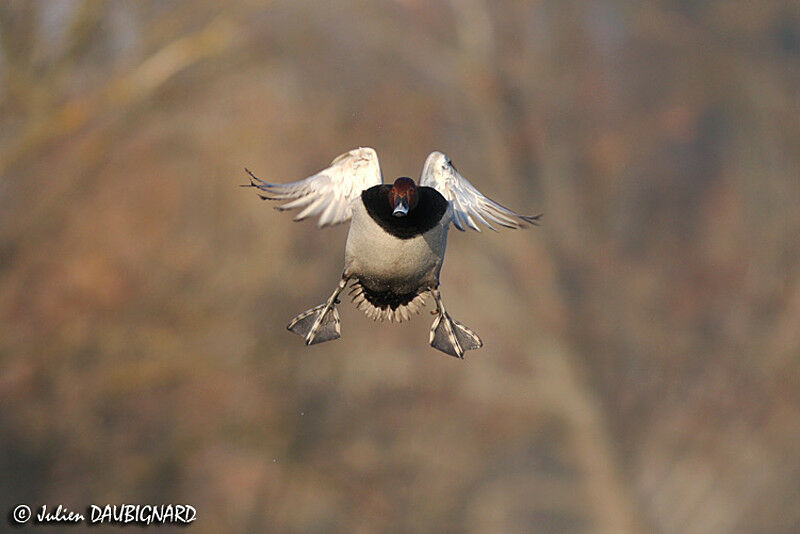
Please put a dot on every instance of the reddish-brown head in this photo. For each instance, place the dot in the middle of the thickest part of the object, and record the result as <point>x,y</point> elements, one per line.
<point>403,196</point>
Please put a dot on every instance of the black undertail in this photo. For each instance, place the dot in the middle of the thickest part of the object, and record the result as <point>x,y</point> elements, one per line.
<point>388,298</point>
<point>430,209</point>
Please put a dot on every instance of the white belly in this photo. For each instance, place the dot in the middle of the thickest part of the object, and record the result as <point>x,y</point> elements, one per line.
<point>385,262</point>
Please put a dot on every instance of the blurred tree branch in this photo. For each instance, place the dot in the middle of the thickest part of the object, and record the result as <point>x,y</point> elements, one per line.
<point>120,95</point>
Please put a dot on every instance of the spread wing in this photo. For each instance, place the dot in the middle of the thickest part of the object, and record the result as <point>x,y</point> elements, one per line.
<point>467,202</point>
<point>330,192</point>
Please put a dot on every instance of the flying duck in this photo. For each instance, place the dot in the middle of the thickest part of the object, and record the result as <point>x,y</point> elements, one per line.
<point>397,239</point>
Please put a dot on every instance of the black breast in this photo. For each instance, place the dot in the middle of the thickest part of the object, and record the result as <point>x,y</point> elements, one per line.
<point>430,209</point>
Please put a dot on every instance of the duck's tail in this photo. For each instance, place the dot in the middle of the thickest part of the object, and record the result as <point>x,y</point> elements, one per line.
<point>386,305</point>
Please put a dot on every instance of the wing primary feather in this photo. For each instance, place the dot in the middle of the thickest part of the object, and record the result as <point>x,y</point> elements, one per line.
<point>297,203</point>
<point>532,219</point>
<point>471,223</point>
<point>311,209</point>
<point>252,177</point>
<point>484,221</point>
<point>457,221</point>
<point>502,220</point>
<point>327,214</point>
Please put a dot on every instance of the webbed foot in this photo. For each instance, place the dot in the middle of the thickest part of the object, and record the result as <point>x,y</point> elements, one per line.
<point>321,323</point>
<point>317,325</point>
<point>450,336</point>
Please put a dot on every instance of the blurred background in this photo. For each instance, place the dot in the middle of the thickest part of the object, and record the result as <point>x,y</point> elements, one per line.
<point>641,367</point>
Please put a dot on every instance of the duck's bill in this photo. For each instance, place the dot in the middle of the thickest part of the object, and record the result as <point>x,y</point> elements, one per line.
<point>401,207</point>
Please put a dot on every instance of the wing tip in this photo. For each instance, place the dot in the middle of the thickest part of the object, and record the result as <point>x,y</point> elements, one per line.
<point>533,220</point>
<point>524,222</point>
<point>261,185</point>
<point>254,177</point>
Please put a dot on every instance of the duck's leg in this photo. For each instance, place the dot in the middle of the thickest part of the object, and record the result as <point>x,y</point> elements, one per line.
<point>448,335</point>
<point>320,323</point>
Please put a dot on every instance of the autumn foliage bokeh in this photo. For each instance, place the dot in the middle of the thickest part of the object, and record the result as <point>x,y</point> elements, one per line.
<point>641,368</point>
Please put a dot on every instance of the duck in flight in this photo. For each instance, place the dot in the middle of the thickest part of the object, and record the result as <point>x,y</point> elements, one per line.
<point>397,239</point>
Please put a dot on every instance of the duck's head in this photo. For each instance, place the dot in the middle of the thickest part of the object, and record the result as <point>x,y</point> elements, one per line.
<point>403,196</point>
